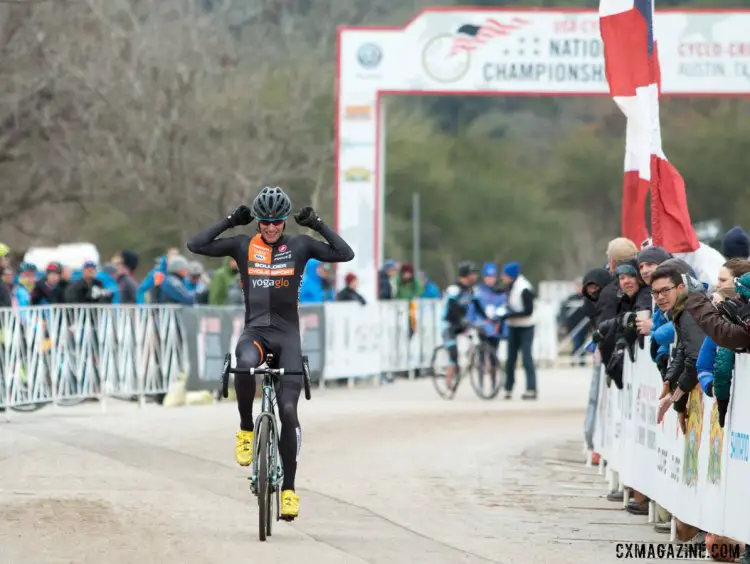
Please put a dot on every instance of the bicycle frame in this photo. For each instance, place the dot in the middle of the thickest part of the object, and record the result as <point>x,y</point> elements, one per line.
<point>268,403</point>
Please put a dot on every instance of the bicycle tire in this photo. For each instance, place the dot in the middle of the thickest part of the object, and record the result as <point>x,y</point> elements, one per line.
<point>438,377</point>
<point>263,482</point>
<point>478,373</point>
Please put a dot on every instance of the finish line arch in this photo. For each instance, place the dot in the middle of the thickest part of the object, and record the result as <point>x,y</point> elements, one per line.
<point>512,52</point>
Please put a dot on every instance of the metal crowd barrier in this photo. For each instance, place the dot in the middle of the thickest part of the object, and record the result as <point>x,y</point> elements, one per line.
<point>64,355</point>
<point>68,354</point>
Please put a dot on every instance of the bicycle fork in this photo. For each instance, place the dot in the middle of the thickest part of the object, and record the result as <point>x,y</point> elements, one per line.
<point>276,466</point>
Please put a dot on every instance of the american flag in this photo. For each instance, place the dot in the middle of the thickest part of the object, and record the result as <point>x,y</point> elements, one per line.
<point>631,60</point>
<point>469,37</point>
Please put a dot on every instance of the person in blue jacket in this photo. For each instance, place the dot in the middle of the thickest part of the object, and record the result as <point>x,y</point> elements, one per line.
<point>493,301</point>
<point>431,290</point>
<point>659,327</point>
<point>108,277</point>
<point>173,289</point>
<point>153,279</point>
<point>312,290</point>
<point>25,284</point>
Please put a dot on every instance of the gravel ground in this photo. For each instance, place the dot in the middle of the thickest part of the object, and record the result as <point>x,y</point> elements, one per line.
<point>387,475</point>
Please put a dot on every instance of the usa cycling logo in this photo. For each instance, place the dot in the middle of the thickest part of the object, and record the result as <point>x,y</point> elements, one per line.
<point>369,56</point>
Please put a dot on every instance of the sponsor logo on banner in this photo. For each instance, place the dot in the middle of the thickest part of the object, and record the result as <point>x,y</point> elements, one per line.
<point>362,112</point>
<point>369,56</point>
<point>352,144</point>
<point>447,57</point>
<point>517,50</point>
<point>357,174</point>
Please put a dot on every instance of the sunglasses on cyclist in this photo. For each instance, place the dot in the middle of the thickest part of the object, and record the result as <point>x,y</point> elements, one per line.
<point>267,222</point>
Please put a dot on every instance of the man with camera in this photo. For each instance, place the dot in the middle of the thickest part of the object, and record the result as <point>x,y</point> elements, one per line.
<point>88,290</point>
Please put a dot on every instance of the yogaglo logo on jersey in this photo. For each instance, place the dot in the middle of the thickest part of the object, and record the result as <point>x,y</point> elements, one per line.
<point>266,283</point>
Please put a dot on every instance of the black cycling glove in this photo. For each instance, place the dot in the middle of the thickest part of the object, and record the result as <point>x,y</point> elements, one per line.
<point>241,216</point>
<point>308,217</point>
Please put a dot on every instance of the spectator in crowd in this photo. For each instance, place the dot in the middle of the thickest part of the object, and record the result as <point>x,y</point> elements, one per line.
<point>727,326</point>
<point>408,287</point>
<point>327,276</point>
<point>387,274</point>
<point>223,279</point>
<point>312,290</point>
<point>107,275</point>
<point>196,282</point>
<point>48,290</point>
<point>575,315</point>
<point>431,290</point>
<point>87,290</point>
<point>5,270</point>
<point>670,288</point>
<point>126,281</point>
<point>594,283</point>
<point>153,280</point>
<point>661,331</point>
<point>619,249</point>
<point>619,335</point>
<point>7,298</point>
<point>173,289</point>
<point>736,244</point>
<point>520,321</point>
<point>349,292</point>
<point>25,285</point>
<point>4,255</point>
<point>716,363</point>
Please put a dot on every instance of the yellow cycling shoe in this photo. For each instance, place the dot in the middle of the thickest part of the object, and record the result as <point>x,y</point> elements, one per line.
<point>243,452</point>
<point>289,505</point>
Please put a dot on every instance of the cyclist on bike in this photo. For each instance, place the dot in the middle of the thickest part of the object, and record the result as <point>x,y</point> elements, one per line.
<point>459,298</point>
<point>271,266</point>
<point>493,300</point>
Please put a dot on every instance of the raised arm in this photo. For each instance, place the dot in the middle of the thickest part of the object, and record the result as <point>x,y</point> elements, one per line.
<point>335,249</point>
<point>206,242</point>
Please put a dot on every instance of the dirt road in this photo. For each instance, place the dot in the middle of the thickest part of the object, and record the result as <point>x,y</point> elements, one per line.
<point>387,475</point>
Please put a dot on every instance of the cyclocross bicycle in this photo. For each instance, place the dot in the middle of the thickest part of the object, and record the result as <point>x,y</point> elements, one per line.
<point>267,469</point>
<point>487,377</point>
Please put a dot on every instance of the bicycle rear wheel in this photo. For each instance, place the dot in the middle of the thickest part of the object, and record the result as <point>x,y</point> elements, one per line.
<point>440,361</point>
<point>264,485</point>
<point>486,376</point>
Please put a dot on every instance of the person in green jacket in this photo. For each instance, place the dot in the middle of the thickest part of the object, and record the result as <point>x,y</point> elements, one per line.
<point>222,280</point>
<point>408,286</point>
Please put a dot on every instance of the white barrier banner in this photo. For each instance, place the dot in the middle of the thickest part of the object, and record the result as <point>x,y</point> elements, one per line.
<point>700,476</point>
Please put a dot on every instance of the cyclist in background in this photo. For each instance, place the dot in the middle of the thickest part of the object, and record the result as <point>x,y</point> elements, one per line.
<point>492,300</point>
<point>270,268</point>
<point>459,298</point>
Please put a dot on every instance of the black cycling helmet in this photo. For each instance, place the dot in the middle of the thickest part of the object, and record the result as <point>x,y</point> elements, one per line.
<point>272,203</point>
<point>467,267</point>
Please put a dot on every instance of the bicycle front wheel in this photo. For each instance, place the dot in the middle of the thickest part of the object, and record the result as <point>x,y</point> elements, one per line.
<point>486,377</point>
<point>438,367</point>
<point>264,479</point>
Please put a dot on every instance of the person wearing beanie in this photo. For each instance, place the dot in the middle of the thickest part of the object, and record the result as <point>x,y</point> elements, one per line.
<point>520,322</point>
<point>349,292</point>
<point>173,289</point>
<point>48,291</point>
<point>88,289</point>
<point>736,244</point>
